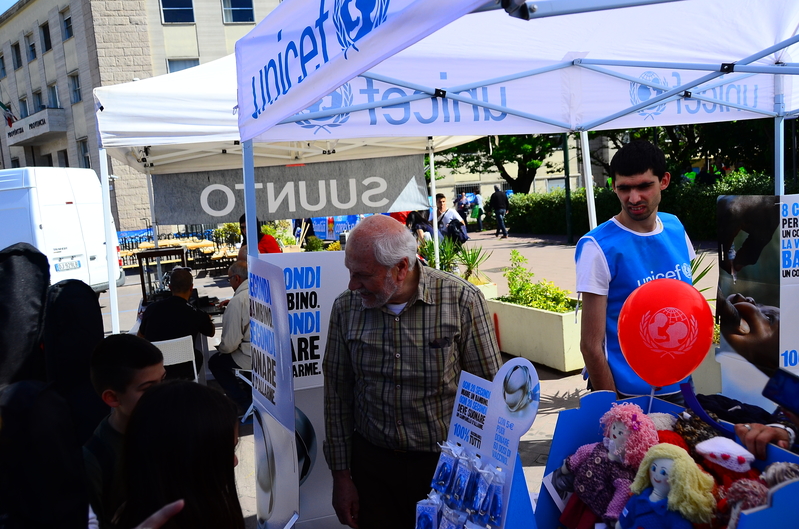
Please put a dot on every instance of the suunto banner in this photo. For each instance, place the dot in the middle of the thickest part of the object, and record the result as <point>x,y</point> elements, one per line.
<point>377,185</point>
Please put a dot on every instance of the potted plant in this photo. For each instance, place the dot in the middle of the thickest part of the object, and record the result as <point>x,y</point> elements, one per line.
<point>469,259</point>
<point>447,254</point>
<point>537,320</point>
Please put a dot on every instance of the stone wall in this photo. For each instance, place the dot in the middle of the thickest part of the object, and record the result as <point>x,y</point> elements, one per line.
<point>120,48</point>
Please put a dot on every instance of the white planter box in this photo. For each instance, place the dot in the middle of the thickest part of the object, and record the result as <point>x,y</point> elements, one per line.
<point>489,290</point>
<point>540,336</point>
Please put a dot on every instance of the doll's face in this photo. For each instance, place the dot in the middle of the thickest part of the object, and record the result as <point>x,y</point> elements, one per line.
<point>659,472</point>
<point>619,434</point>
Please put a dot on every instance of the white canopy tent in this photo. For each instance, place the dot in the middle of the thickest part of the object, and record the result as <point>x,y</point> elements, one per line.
<point>484,74</point>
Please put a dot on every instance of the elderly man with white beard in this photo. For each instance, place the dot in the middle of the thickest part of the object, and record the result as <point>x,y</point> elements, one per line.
<point>399,338</point>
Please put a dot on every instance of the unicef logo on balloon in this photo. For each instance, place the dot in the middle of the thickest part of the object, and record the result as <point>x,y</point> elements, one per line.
<point>641,93</point>
<point>354,19</point>
<point>338,99</point>
<point>668,331</point>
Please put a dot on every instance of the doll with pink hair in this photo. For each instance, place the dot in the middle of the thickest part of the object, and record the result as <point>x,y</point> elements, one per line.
<point>603,472</point>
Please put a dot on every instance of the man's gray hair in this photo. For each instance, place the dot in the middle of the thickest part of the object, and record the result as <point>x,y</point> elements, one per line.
<point>239,268</point>
<point>390,246</point>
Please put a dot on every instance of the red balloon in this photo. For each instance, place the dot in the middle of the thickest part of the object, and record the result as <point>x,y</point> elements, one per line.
<point>665,330</point>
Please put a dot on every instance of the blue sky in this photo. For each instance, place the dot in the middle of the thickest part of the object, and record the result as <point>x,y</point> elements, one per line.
<point>5,4</point>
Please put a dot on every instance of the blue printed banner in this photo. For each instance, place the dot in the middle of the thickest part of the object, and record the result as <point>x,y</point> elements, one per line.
<point>489,418</point>
<point>273,384</point>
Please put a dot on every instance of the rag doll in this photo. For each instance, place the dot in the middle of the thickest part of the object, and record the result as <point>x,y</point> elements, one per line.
<point>726,460</point>
<point>670,492</point>
<point>603,471</point>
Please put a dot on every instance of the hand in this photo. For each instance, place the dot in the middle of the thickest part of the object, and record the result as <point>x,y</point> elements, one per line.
<point>345,498</point>
<point>161,516</point>
<point>224,303</point>
<point>756,437</point>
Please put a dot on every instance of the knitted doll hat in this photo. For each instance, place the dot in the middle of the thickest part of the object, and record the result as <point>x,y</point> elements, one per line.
<point>727,453</point>
<point>643,434</point>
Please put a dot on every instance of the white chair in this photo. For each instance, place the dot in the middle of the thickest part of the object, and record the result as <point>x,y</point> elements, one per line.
<point>240,375</point>
<point>178,351</point>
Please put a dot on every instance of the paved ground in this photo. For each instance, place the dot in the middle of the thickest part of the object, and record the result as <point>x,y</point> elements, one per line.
<point>549,258</point>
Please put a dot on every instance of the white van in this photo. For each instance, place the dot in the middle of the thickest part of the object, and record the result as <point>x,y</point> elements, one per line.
<point>59,210</point>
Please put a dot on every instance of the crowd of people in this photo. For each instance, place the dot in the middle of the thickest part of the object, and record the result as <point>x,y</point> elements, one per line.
<point>400,334</point>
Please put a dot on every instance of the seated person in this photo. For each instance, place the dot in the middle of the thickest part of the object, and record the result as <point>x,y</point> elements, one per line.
<point>122,368</point>
<point>234,347</point>
<point>173,318</point>
<point>266,243</point>
<point>182,445</point>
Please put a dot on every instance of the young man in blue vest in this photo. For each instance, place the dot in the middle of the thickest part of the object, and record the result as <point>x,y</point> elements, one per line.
<point>637,245</point>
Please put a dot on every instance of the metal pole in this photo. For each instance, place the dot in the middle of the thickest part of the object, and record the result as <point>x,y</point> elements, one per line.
<point>588,179</point>
<point>431,153</point>
<point>154,227</point>
<point>250,208</point>
<point>567,188</point>
<point>779,137</point>
<point>110,247</point>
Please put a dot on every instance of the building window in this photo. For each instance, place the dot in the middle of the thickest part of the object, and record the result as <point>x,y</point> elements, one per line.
<point>177,11</point>
<point>44,31</point>
<point>85,159</point>
<point>2,67</point>
<point>237,11</point>
<point>30,45</point>
<point>74,89</point>
<point>66,24</point>
<point>14,163</point>
<point>16,55</point>
<point>23,108</point>
<point>63,158</point>
<point>38,104</point>
<point>176,65</point>
<point>52,97</point>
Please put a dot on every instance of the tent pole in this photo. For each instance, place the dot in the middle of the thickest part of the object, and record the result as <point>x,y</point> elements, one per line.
<point>249,198</point>
<point>431,153</point>
<point>110,249</point>
<point>154,225</point>
<point>588,179</point>
<point>151,198</point>
<point>779,136</point>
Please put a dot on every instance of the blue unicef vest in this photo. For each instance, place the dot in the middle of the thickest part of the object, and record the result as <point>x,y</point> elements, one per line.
<point>633,260</point>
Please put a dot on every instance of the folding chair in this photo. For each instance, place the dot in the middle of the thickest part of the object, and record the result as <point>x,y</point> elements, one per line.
<point>178,351</point>
<point>240,375</point>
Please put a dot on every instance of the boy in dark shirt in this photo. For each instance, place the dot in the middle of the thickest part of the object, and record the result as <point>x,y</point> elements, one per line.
<point>122,368</point>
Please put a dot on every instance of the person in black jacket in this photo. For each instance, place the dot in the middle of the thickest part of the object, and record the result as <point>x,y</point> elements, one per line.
<point>499,203</point>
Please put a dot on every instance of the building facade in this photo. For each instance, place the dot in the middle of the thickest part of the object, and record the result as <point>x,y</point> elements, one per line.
<point>54,52</point>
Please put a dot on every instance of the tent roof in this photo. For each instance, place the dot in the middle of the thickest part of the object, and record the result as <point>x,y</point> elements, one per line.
<point>187,122</point>
<point>588,71</point>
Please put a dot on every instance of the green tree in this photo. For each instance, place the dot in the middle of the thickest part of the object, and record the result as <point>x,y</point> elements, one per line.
<point>497,153</point>
<point>735,144</point>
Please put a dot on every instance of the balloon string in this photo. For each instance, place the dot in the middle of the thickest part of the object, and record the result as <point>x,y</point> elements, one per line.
<point>651,398</point>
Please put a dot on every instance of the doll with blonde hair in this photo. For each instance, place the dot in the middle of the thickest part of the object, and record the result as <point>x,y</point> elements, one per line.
<point>670,491</point>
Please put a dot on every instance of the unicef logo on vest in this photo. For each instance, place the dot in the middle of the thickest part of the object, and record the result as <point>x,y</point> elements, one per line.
<point>641,93</point>
<point>354,19</point>
<point>668,331</point>
<point>340,98</point>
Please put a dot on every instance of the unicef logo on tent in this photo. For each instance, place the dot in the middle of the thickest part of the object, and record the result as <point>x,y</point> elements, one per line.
<point>641,93</point>
<point>341,98</point>
<point>354,19</point>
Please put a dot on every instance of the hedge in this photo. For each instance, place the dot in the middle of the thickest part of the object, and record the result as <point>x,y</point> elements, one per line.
<point>695,205</point>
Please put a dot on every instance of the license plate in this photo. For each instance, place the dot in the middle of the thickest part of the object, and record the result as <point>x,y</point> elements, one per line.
<point>67,265</point>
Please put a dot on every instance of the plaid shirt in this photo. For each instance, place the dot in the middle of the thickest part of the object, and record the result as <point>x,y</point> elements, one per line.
<point>393,378</point>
